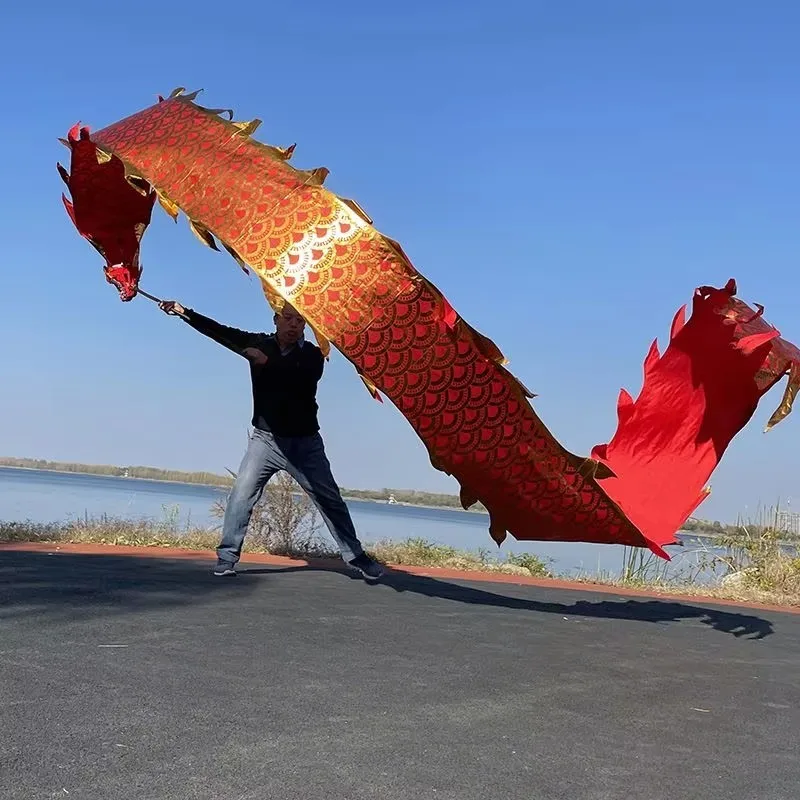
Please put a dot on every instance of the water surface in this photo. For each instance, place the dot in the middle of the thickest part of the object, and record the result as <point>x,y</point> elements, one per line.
<point>41,496</point>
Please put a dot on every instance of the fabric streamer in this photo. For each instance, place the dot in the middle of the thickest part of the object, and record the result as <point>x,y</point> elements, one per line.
<point>695,398</point>
<point>359,292</point>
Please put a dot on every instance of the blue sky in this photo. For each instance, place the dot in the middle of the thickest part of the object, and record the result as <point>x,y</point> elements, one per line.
<point>565,172</point>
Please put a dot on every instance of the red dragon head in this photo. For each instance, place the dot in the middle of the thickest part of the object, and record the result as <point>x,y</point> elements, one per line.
<point>109,209</point>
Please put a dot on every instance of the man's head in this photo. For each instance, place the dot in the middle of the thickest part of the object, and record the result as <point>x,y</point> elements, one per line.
<point>289,325</point>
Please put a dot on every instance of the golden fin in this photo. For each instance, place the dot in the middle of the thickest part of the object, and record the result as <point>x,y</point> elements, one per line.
<point>322,342</point>
<point>402,253</point>
<point>518,383</point>
<point>357,210</point>
<point>247,128</point>
<point>316,177</point>
<point>787,401</point>
<point>137,181</point>
<point>276,302</point>
<point>595,470</point>
<point>279,153</point>
<point>371,387</point>
<point>103,157</point>
<point>170,206</point>
<point>177,92</point>
<point>488,349</point>
<point>525,390</point>
<point>484,344</point>
<point>237,258</point>
<point>203,234</point>
<point>604,472</point>
<point>217,112</point>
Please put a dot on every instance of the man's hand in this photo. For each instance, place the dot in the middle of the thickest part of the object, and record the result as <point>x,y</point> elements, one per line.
<point>172,307</point>
<point>255,356</point>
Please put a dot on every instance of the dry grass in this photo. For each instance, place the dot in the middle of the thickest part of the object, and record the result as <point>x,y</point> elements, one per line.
<point>741,594</point>
<point>145,533</point>
<point>748,563</point>
<point>109,530</point>
<point>421,553</point>
<point>756,564</point>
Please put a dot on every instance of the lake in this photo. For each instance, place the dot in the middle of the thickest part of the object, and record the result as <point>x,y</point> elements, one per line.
<point>37,496</point>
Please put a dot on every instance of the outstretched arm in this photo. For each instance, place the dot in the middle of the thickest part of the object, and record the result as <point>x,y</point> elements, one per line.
<point>241,342</point>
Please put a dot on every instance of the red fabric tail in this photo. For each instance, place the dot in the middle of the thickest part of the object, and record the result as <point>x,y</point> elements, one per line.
<point>694,400</point>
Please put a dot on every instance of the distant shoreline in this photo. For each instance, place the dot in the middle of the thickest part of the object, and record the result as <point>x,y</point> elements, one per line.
<point>709,533</point>
<point>114,477</point>
<point>223,487</point>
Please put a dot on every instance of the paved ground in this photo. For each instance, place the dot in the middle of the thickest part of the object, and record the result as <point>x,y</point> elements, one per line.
<point>143,678</point>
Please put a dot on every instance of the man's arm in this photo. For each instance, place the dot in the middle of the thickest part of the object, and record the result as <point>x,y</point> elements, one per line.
<point>313,369</point>
<point>234,339</point>
<point>318,366</point>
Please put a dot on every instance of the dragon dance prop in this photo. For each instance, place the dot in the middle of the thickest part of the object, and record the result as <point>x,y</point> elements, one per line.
<point>358,291</point>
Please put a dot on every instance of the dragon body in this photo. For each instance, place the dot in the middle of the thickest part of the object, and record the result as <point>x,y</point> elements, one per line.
<point>359,292</point>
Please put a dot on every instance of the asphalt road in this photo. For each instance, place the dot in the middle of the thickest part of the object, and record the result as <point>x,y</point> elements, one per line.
<point>141,678</point>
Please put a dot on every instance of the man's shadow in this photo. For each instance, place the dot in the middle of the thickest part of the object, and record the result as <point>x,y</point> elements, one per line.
<point>657,611</point>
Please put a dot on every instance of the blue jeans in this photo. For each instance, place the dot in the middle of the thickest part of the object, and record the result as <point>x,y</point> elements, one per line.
<point>305,460</point>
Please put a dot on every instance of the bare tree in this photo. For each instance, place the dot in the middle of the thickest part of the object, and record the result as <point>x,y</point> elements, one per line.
<point>284,522</point>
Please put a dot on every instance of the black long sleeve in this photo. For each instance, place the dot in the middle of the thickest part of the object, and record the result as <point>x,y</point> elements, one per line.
<point>232,338</point>
<point>285,388</point>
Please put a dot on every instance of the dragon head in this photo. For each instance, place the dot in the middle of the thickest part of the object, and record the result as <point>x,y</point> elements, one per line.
<point>125,277</point>
<point>109,208</point>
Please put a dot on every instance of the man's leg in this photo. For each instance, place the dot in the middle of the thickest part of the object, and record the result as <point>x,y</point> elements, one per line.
<point>261,461</point>
<point>309,466</point>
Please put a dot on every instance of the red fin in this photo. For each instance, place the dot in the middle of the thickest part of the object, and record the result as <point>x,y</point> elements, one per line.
<point>467,499</point>
<point>749,344</point>
<point>70,208</point>
<point>63,173</point>
<point>497,531</point>
<point>624,407</point>
<point>652,358</point>
<point>678,321</point>
<point>658,550</point>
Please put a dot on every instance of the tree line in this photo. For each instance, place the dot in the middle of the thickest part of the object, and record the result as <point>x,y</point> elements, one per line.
<point>410,497</point>
<point>146,473</point>
<point>403,496</point>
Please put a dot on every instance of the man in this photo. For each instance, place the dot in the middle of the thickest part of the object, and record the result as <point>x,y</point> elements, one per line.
<point>285,370</point>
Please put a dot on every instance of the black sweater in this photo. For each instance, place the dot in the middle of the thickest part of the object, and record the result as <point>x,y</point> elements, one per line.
<point>285,388</point>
